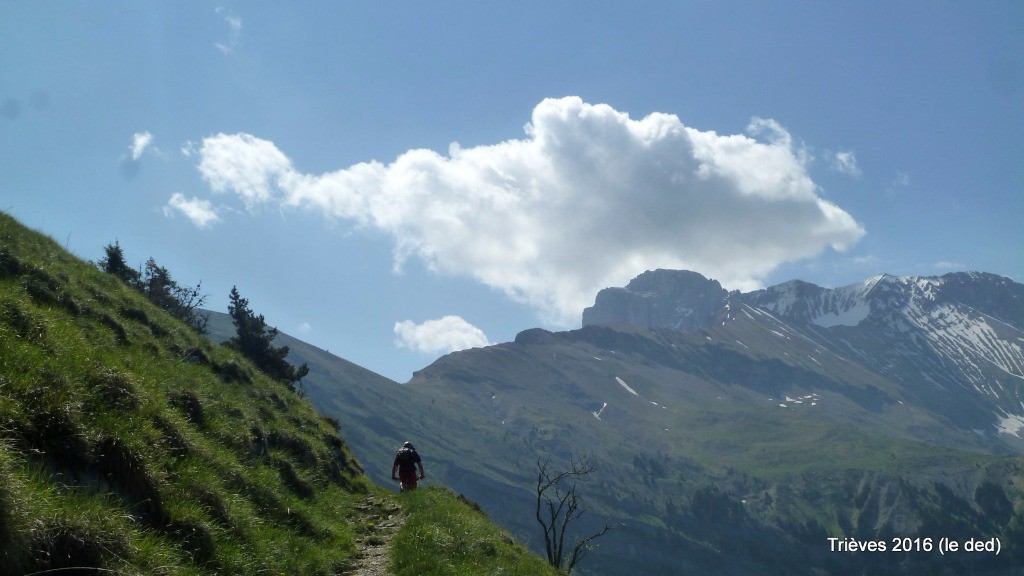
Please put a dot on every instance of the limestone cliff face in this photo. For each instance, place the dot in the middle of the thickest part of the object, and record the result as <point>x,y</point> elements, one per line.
<point>676,299</point>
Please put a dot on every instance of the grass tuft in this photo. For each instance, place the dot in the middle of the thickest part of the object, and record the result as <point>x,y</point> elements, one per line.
<point>126,471</point>
<point>24,323</point>
<point>112,389</point>
<point>190,406</point>
<point>9,264</point>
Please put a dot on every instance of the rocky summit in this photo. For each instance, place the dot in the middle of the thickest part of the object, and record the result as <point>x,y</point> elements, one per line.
<point>676,299</point>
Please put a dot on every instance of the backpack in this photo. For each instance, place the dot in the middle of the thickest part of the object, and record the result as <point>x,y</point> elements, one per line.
<point>407,459</point>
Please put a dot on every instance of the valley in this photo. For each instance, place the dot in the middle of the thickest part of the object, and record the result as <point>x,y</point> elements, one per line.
<point>778,420</point>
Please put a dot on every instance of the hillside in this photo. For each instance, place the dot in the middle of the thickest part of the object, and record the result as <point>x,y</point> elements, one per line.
<point>337,386</point>
<point>130,444</point>
<point>744,440</point>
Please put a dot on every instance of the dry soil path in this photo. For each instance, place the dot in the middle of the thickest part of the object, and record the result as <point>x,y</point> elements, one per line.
<point>379,521</point>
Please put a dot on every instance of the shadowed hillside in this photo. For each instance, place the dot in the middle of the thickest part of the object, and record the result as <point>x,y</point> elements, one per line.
<point>131,444</point>
<point>740,447</point>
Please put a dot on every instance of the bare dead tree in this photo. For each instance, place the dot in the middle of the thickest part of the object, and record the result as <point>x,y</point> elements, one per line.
<point>557,508</point>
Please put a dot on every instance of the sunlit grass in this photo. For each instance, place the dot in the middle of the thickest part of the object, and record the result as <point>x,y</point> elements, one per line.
<point>444,535</point>
<point>131,445</point>
<point>118,452</point>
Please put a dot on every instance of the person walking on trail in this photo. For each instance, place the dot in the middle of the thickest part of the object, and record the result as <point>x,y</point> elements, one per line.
<point>405,464</point>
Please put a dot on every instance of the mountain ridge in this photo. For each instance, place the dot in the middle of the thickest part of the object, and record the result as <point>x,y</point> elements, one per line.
<point>941,324</point>
<point>759,426</point>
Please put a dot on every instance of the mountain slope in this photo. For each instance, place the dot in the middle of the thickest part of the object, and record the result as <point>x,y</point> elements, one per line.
<point>130,444</point>
<point>952,343</point>
<point>776,420</point>
<point>357,397</point>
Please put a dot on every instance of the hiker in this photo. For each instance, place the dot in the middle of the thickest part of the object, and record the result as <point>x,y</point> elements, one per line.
<point>405,464</point>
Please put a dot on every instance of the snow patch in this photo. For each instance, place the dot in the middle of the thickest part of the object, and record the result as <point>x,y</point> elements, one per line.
<point>849,317</point>
<point>1011,425</point>
<point>626,386</point>
<point>806,400</point>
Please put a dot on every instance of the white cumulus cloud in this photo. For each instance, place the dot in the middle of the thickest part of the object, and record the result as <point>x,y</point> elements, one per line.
<point>140,141</point>
<point>448,334</point>
<point>589,198</point>
<point>243,164</point>
<point>200,212</point>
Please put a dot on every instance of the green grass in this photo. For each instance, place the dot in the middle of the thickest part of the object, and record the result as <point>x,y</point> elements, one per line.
<point>445,535</point>
<point>130,443</point>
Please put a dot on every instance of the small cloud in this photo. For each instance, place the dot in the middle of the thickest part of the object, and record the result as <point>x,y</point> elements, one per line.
<point>200,212</point>
<point>448,334</point>
<point>305,328</point>
<point>846,163</point>
<point>140,141</point>
<point>188,148</point>
<point>235,31</point>
<point>899,185</point>
<point>944,265</point>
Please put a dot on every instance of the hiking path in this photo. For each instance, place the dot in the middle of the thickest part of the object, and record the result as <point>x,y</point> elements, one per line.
<point>379,519</point>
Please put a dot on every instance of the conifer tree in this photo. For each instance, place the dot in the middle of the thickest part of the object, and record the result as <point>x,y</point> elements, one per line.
<point>158,286</point>
<point>255,341</point>
<point>155,282</point>
<point>181,302</point>
<point>115,264</point>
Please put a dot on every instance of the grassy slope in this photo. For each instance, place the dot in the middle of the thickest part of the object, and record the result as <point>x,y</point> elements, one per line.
<point>445,535</point>
<point>131,444</point>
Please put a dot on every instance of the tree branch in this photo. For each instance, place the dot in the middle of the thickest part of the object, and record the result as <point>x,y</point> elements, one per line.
<point>562,509</point>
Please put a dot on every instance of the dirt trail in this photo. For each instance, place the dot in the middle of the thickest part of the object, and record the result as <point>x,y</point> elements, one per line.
<point>379,521</point>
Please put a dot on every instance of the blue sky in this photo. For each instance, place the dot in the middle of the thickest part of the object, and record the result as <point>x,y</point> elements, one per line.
<point>392,180</point>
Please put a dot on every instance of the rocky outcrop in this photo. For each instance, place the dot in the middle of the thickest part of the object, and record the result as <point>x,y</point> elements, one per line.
<point>676,299</point>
